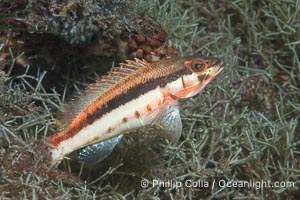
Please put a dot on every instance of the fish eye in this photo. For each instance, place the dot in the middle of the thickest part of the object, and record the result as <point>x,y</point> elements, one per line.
<point>197,67</point>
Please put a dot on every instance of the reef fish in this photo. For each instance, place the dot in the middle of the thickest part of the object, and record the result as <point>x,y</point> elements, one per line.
<point>132,96</point>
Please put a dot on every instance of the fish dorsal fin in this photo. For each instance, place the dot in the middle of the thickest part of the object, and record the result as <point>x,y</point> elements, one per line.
<point>94,90</point>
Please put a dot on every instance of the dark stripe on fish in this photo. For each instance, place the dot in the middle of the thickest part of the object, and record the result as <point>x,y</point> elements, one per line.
<point>132,93</point>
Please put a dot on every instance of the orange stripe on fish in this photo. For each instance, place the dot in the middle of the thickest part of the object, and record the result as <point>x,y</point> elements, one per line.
<point>134,95</point>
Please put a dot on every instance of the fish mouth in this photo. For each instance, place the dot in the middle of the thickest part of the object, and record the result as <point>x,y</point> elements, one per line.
<point>216,69</point>
<point>220,66</point>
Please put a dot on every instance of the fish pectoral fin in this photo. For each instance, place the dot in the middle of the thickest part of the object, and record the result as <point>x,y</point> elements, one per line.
<point>169,120</point>
<point>95,153</point>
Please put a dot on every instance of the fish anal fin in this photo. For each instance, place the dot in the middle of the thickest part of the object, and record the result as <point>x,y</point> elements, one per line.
<point>95,153</point>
